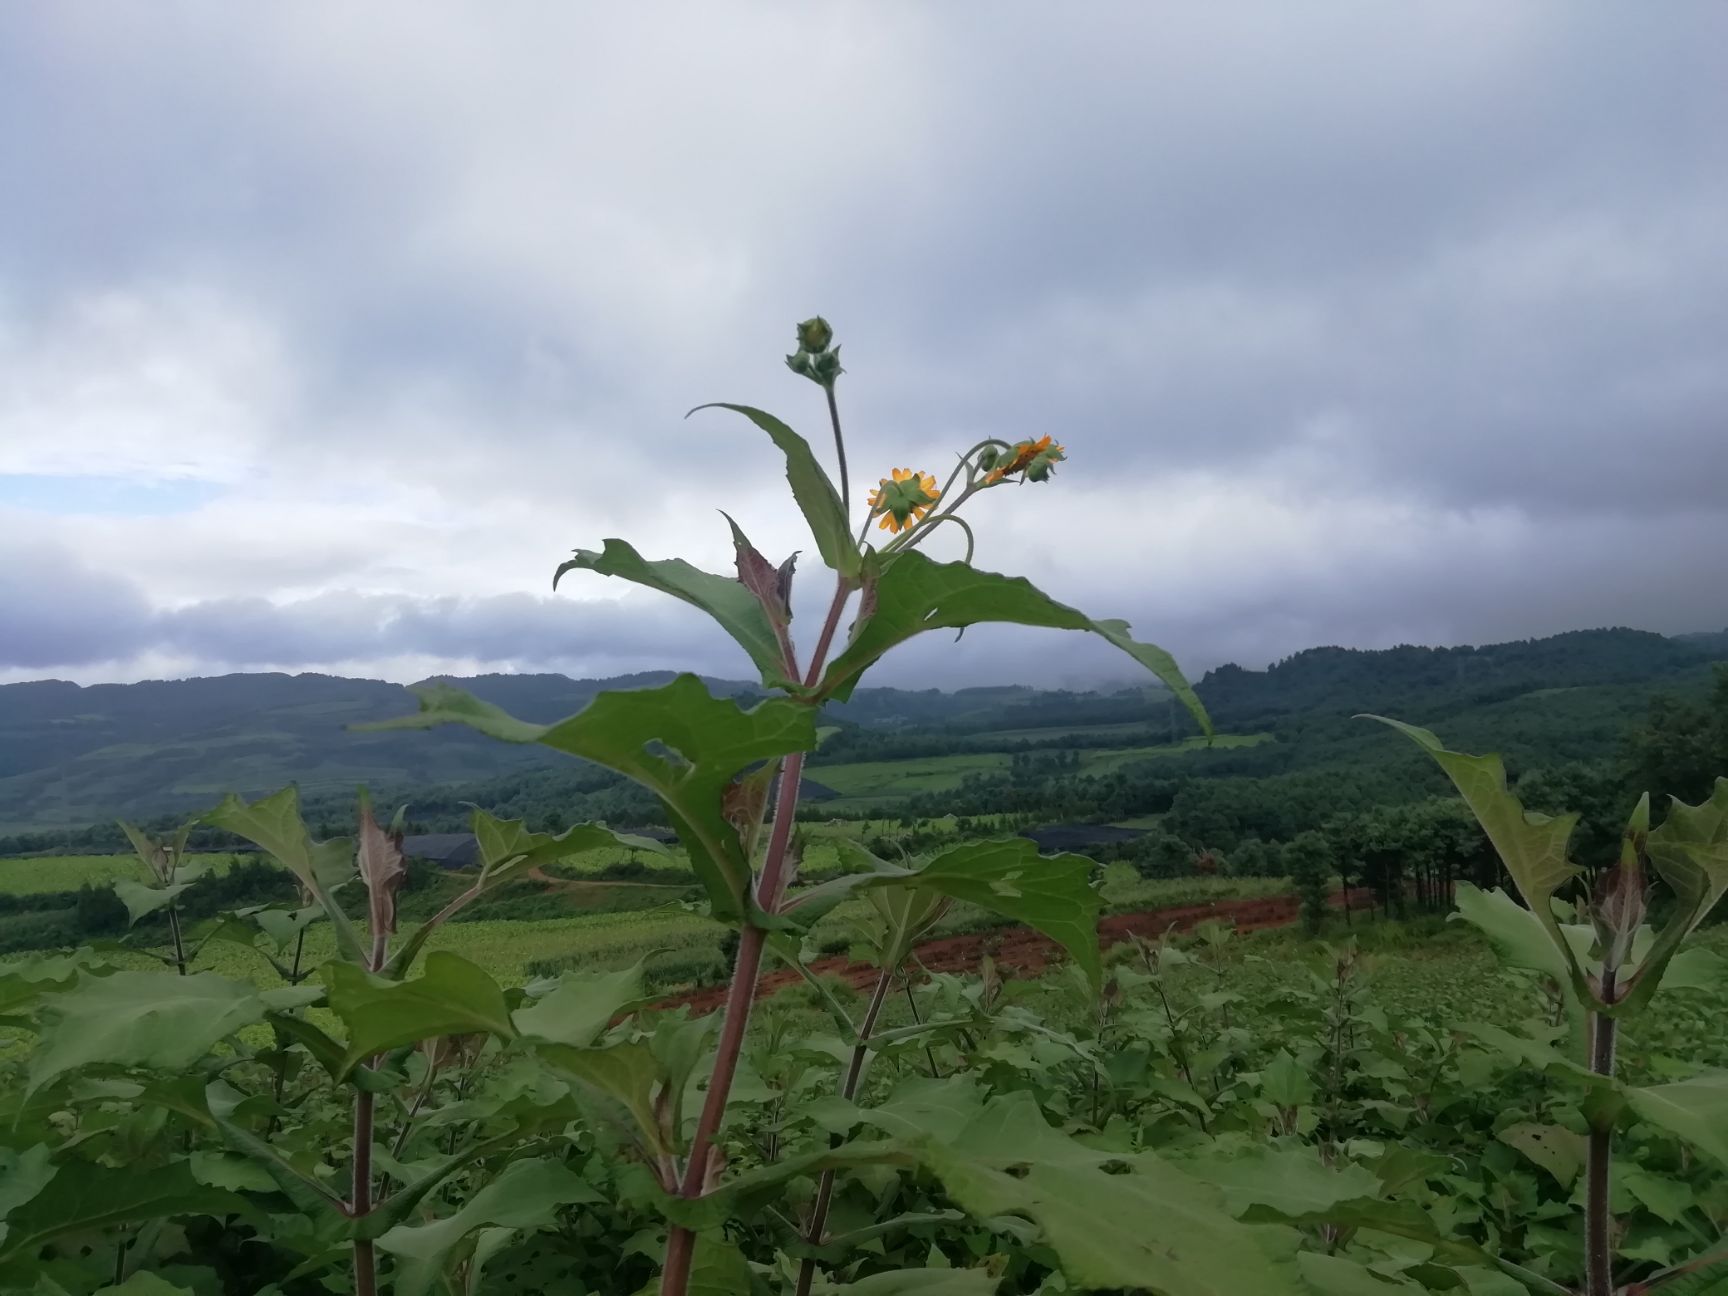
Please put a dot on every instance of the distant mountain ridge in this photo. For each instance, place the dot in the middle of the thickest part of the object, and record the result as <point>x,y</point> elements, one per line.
<point>73,754</point>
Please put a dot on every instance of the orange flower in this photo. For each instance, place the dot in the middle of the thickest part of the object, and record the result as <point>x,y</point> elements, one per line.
<point>1036,458</point>
<point>904,499</point>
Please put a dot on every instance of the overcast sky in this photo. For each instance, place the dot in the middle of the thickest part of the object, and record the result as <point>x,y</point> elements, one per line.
<point>327,330</point>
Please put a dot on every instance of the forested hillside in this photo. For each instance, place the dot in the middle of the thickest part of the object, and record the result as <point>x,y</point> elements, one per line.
<point>1289,754</point>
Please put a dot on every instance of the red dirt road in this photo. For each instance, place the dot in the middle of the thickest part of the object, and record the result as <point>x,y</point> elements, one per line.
<point>1020,950</point>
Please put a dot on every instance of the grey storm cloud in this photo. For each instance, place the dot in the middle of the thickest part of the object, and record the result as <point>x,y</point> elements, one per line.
<point>1362,323</point>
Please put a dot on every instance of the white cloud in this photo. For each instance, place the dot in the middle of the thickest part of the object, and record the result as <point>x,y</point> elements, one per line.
<point>1327,309</point>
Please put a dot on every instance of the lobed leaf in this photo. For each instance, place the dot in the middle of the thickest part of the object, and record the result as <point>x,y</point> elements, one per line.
<point>726,600</point>
<point>273,823</point>
<point>525,1195</point>
<point>145,1019</point>
<point>451,997</point>
<point>705,741</point>
<point>812,488</point>
<point>1006,875</point>
<point>915,594</point>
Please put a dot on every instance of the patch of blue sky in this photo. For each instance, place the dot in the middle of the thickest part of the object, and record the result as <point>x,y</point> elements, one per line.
<point>110,496</point>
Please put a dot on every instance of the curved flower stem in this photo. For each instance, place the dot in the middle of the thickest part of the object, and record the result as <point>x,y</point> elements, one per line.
<point>848,1090</point>
<point>839,441</point>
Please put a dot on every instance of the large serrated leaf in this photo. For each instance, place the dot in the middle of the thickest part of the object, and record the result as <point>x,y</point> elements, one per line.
<point>1694,1111</point>
<point>274,824</point>
<point>915,594</point>
<point>820,503</point>
<point>525,1195</point>
<point>1053,893</point>
<point>1690,851</point>
<point>580,1005</point>
<point>711,739</point>
<point>451,997</point>
<point>83,1197</point>
<point>733,607</point>
<point>141,901</point>
<point>145,1019</point>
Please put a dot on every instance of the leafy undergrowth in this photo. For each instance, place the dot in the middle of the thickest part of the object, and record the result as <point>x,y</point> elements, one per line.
<point>1221,1097</point>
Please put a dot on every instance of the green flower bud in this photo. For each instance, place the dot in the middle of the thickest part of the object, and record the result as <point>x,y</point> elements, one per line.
<point>826,366</point>
<point>815,335</point>
<point>800,364</point>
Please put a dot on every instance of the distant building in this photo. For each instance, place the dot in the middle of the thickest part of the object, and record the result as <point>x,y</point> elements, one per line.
<point>1080,837</point>
<point>446,850</point>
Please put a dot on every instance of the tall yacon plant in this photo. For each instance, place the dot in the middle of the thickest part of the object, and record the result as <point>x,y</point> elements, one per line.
<point>713,763</point>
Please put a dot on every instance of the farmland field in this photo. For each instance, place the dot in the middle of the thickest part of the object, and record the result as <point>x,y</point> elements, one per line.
<point>37,875</point>
<point>864,782</point>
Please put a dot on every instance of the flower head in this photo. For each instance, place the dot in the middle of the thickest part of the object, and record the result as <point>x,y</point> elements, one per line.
<point>904,499</point>
<point>1036,459</point>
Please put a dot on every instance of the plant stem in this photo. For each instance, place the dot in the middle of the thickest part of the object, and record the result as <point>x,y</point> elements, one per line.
<point>740,997</point>
<point>842,592</point>
<point>848,1090</point>
<point>747,969</point>
<point>1598,1219</point>
<point>839,446</point>
<point>365,1262</point>
<point>174,931</point>
<point>929,1052</point>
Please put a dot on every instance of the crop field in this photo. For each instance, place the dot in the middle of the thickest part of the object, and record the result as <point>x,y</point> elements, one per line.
<point>861,783</point>
<point>36,875</point>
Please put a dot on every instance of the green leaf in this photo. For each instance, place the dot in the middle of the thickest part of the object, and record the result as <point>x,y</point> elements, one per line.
<point>141,901</point>
<point>625,1077</point>
<point>1155,1228</point>
<point>1553,1147</point>
<point>84,1197</point>
<point>525,1195</point>
<point>915,594</point>
<point>1695,1111</point>
<point>146,1019</point>
<point>451,997</point>
<point>735,608</point>
<point>1516,934</point>
<point>283,926</point>
<point>1532,846</point>
<point>718,1268</point>
<point>274,824</point>
<point>821,504</point>
<point>581,1005</point>
<point>1690,851</point>
<point>921,1282</point>
<point>233,1172</point>
<point>508,850</point>
<point>22,1176</point>
<point>1336,1276</point>
<point>1289,1178</point>
<point>1052,893</point>
<point>146,1284</point>
<point>712,740</point>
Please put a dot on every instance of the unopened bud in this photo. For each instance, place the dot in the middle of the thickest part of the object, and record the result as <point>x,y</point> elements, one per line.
<point>815,335</point>
<point>826,366</point>
<point>1619,912</point>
